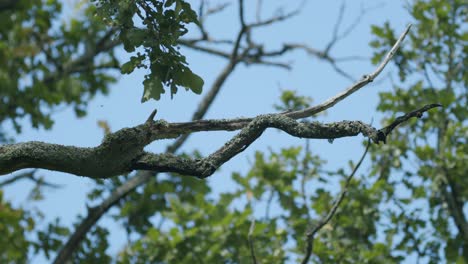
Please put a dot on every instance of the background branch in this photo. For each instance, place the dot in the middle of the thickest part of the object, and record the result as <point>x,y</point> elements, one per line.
<point>326,218</point>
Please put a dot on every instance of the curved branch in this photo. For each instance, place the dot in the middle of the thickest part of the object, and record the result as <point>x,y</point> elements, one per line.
<point>401,119</point>
<point>205,167</point>
<point>366,79</point>
<point>95,213</point>
<point>126,146</point>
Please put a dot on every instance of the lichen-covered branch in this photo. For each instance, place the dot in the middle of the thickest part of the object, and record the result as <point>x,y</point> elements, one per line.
<point>122,151</point>
<point>203,168</point>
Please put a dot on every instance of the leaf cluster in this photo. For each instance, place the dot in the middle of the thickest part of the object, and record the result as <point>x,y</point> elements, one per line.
<point>431,166</point>
<point>48,62</point>
<point>151,28</point>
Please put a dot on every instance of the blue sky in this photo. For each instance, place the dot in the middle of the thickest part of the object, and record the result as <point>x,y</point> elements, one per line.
<point>248,92</point>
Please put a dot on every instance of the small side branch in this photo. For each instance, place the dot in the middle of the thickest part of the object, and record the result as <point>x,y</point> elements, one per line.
<point>401,119</point>
<point>30,175</point>
<point>366,79</point>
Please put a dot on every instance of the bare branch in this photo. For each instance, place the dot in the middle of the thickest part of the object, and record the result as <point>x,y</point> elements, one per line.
<point>336,28</point>
<point>340,71</point>
<point>366,79</point>
<point>357,20</point>
<point>274,19</point>
<point>30,175</point>
<point>216,9</point>
<point>191,44</point>
<point>256,58</point>
<point>241,14</point>
<point>352,58</point>
<point>336,37</point>
<point>95,213</point>
<point>126,145</point>
<point>86,60</point>
<point>17,177</point>
<point>399,120</point>
<point>259,55</point>
<point>325,219</point>
<point>323,55</point>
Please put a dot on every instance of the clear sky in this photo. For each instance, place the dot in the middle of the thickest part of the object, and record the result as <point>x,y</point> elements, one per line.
<point>248,92</point>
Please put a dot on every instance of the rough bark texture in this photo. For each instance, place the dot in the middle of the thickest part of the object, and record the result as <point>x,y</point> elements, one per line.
<point>122,151</point>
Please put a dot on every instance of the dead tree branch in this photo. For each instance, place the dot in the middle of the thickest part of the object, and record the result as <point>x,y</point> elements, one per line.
<point>126,146</point>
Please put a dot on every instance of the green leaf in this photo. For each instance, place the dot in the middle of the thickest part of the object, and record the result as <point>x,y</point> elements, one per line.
<point>378,31</point>
<point>127,67</point>
<point>132,38</point>
<point>153,89</point>
<point>190,80</point>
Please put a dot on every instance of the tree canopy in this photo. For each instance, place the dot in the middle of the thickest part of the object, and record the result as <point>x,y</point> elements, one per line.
<point>287,207</point>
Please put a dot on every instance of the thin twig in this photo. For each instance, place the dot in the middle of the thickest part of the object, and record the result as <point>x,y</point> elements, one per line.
<point>305,172</point>
<point>268,204</point>
<point>336,28</point>
<point>401,119</point>
<point>30,175</point>
<point>325,219</point>
<point>366,79</point>
<point>258,10</point>
<point>274,19</point>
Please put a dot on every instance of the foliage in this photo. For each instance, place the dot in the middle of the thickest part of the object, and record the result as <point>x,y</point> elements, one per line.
<point>411,203</point>
<point>431,166</point>
<point>15,223</point>
<point>93,248</point>
<point>292,101</point>
<point>159,25</point>
<point>48,63</point>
